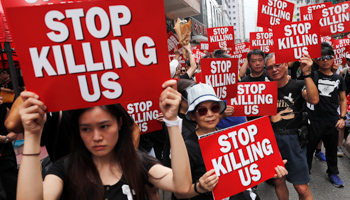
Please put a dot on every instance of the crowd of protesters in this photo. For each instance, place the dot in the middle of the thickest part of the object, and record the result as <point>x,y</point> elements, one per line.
<point>98,153</point>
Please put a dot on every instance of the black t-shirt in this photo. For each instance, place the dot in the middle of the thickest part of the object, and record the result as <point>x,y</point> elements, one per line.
<point>347,82</point>
<point>120,190</point>
<point>8,156</point>
<point>262,77</point>
<point>296,72</point>
<point>329,88</point>
<point>289,106</point>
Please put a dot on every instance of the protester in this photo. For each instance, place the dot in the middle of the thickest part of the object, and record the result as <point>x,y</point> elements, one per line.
<point>103,162</point>
<point>175,63</point>
<point>205,109</point>
<point>188,74</point>
<point>286,123</point>
<point>324,118</point>
<point>255,59</point>
<point>8,162</point>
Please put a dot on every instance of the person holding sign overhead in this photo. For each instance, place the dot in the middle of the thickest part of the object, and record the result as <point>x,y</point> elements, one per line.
<point>205,109</point>
<point>287,123</point>
<point>103,163</point>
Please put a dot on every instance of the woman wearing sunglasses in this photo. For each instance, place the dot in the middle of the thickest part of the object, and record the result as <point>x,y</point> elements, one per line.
<point>205,109</point>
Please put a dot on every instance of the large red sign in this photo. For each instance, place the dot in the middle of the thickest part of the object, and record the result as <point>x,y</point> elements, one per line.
<point>273,12</point>
<point>220,37</point>
<point>255,99</point>
<point>334,19</point>
<point>240,51</point>
<point>306,11</point>
<point>145,114</point>
<point>293,40</point>
<point>341,49</point>
<point>221,74</point>
<point>247,153</point>
<point>262,41</point>
<point>87,53</point>
<point>327,39</point>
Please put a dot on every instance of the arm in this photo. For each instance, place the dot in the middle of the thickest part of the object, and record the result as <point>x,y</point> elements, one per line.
<point>193,67</point>
<point>310,94</point>
<point>33,116</point>
<point>243,69</point>
<point>13,122</point>
<point>343,107</point>
<point>177,179</point>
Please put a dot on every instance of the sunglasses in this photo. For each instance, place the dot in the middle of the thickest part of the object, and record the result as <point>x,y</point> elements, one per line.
<point>328,57</point>
<point>214,109</point>
<point>182,70</point>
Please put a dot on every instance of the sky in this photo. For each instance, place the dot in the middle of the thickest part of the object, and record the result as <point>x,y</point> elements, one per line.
<point>250,16</point>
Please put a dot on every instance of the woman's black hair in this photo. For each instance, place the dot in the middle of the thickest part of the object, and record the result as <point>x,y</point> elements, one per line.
<point>82,172</point>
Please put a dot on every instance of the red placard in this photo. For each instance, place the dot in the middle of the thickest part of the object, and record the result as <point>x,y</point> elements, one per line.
<point>220,37</point>
<point>204,46</point>
<point>145,114</point>
<point>173,41</point>
<point>327,39</point>
<point>335,19</point>
<point>293,40</point>
<point>255,99</point>
<point>306,11</point>
<point>241,50</point>
<point>273,12</point>
<point>197,54</point>
<point>221,74</point>
<point>89,52</point>
<point>247,154</point>
<point>262,40</point>
<point>341,49</point>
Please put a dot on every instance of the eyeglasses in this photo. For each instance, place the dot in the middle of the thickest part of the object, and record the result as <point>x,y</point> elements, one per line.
<point>268,68</point>
<point>322,58</point>
<point>214,109</point>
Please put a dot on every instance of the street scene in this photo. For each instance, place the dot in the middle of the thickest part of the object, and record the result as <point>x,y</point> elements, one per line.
<point>174,99</point>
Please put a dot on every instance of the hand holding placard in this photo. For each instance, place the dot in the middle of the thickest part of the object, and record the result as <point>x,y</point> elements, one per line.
<point>305,64</point>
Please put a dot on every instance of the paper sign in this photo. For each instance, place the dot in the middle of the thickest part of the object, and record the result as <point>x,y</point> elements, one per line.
<point>262,41</point>
<point>240,51</point>
<point>197,54</point>
<point>243,156</point>
<point>341,49</point>
<point>327,39</point>
<point>220,37</point>
<point>273,12</point>
<point>293,40</point>
<point>86,53</point>
<point>145,114</point>
<point>335,19</point>
<point>173,41</point>
<point>255,99</point>
<point>221,74</point>
<point>306,11</point>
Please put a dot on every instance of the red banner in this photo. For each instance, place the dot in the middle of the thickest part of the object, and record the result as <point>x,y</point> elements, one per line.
<point>240,51</point>
<point>247,153</point>
<point>219,37</point>
<point>255,99</point>
<point>89,52</point>
<point>306,11</point>
<point>221,74</point>
<point>327,39</point>
<point>335,19</point>
<point>341,49</point>
<point>293,40</point>
<point>262,40</point>
<point>273,12</point>
<point>173,41</point>
<point>145,114</point>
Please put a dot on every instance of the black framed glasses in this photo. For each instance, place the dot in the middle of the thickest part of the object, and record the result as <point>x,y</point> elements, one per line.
<point>215,108</point>
<point>322,58</point>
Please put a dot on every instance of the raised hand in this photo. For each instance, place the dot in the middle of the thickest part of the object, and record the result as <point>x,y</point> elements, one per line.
<point>208,181</point>
<point>170,100</point>
<point>305,64</point>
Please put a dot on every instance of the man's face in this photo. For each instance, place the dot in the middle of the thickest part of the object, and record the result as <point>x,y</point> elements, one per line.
<point>4,76</point>
<point>276,72</point>
<point>256,63</point>
<point>183,70</point>
<point>325,61</point>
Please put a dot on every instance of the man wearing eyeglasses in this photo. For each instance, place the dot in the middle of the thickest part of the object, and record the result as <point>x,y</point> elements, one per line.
<point>291,96</point>
<point>324,117</point>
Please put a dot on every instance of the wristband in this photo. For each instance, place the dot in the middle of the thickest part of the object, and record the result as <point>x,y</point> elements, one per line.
<point>190,53</point>
<point>195,187</point>
<point>307,76</point>
<point>177,122</point>
<point>31,154</point>
<point>342,117</point>
<point>7,139</point>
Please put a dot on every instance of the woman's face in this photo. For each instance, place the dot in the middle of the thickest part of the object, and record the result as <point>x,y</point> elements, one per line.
<point>208,120</point>
<point>99,131</point>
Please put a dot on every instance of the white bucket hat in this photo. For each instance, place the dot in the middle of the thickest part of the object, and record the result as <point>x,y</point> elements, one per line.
<point>200,93</point>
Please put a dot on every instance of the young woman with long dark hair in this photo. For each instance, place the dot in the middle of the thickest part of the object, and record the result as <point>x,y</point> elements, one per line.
<point>104,163</point>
